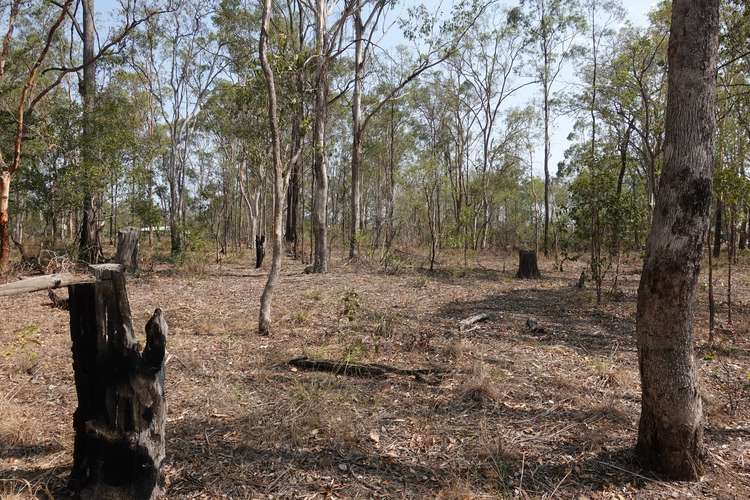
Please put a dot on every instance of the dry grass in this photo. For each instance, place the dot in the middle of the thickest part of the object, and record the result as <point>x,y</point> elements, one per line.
<point>520,414</point>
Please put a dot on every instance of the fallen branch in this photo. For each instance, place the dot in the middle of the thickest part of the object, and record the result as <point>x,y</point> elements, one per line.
<point>362,369</point>
<point>465,323</point>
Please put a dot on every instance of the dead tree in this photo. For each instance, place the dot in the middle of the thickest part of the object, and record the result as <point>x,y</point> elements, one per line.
<point>527,265</point>
<point>127,248</point>
<point>260,250</point>
<point>119,423</point>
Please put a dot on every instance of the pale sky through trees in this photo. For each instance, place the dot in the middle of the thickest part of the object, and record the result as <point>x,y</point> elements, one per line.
<point>637,14</point>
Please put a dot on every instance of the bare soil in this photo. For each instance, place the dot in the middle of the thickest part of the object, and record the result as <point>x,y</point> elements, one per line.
<point>529,413</point>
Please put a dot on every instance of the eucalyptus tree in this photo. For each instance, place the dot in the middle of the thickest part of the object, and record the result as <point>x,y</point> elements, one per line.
<point>489,61</point>
<point>179,58</point>
<point>435,46</point>
<point>553,26</point>
<point>670,432</point>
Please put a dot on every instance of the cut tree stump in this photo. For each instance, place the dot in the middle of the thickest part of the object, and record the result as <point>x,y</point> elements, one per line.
<point>119,423</point>
<point>527,265</point>
<point>127,248</point>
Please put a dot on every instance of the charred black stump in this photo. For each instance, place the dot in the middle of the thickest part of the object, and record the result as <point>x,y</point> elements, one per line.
<point>527,265</point>
<point>119,423</point>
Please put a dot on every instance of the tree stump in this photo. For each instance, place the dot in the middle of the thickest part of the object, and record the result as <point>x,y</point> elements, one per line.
<point>119,423</point>
<point>127,248</point>
<point>527,266</point>
<point>260,250</point>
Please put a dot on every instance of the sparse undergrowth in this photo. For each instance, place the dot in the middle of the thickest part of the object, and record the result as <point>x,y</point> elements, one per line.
<point>522,413</point>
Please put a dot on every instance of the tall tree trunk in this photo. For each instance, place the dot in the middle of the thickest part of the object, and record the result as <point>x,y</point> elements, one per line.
<point>670,434</point>
<point>295,181</point>
<point>356,129</point>
<point>546,105</point>
<point>320,207</point>
<point>264,321</point>
<point>89,246</point>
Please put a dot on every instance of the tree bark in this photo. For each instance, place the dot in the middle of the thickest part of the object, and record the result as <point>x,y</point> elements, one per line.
<point>670,434</point>
<point>119,424</point>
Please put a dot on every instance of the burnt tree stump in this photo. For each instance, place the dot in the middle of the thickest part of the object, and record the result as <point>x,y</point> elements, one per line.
<point>260,250</point>
<point>527,265</point>
<point>127,248</point>
<point>119,423</point>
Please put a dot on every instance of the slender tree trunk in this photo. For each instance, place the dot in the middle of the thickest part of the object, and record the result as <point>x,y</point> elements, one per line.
<point>717,229</point>
<point>4,222</point>
<point>356,129</point>
<point>320,207</point>
<point>670,434</point>
<point>546,162</point>
<point>89,248</point>
<point>264,321</point>
<point>711,299</point>
<point>293,193</point>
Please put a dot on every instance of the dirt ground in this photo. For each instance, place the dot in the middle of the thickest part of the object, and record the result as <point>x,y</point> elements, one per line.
<point>524,414</point>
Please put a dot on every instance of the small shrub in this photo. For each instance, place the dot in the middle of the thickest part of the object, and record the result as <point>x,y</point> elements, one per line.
<point>351,305</point>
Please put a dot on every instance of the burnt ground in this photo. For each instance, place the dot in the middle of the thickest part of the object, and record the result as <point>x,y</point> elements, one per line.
<point>544,414</point>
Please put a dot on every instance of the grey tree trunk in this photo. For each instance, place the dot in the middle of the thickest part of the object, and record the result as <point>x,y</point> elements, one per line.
<point>320,205</point>
<point>670,434</point>
<point>279,177</point>
<point>89,246</point>
<point>357,129</point>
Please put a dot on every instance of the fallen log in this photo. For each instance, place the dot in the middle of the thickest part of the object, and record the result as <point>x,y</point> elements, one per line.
<point>366,370</point>
<point>38,283</point>
<point>466,323</point>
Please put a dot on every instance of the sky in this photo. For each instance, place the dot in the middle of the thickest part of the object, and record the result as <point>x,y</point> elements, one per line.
<point>637,12</point>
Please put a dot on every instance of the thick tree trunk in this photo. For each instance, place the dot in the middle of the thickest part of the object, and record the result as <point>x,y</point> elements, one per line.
<point>127,248</point>
<point>119,423</point>
<point>670,434</point>
<point>527,265</point>
<point>4,222</point>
